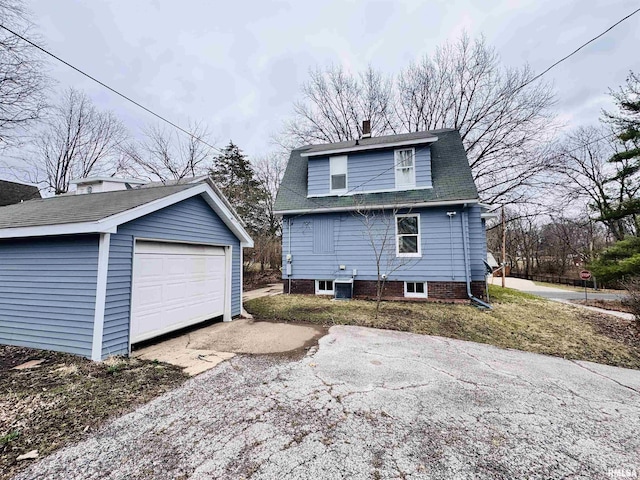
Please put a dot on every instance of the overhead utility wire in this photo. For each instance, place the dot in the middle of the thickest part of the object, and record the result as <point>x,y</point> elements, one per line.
<point>129,99</point>
<point>216,148</point>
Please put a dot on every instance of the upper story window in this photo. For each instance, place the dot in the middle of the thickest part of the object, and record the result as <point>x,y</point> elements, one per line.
<point>338,172</point>
<point>408,235</point>
<point>405,163</point>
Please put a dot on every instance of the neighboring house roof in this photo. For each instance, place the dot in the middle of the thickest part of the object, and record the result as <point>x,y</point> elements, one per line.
<point>450,173</point>
<point>103,212</point>
<point>12,192</point>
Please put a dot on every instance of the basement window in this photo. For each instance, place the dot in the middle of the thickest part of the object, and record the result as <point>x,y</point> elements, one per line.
<point>415,289</point>
<point>324,287</point>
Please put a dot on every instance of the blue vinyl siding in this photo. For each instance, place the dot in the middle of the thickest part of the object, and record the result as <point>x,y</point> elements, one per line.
<point>369,171</point>
<point>441,240</point>
<point>191,220</point>
<point>318,176</point>
<point>47,292</point>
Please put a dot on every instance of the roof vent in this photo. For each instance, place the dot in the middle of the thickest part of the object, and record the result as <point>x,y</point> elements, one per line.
<point>366,129</point>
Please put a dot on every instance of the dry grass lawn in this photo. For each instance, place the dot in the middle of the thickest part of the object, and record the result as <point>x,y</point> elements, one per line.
<point>518,320</point>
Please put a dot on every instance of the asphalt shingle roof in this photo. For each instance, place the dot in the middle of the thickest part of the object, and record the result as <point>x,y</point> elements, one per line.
<point>11,192</point>
<point>80,208</point>
<point>450,171</point>
<point>371,141</point>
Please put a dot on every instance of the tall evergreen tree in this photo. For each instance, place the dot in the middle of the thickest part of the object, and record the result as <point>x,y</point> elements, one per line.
<point>233,174</point>
<point>626,122</point>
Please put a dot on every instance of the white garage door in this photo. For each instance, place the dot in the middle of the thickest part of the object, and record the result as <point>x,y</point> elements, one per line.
<point>175,285</point>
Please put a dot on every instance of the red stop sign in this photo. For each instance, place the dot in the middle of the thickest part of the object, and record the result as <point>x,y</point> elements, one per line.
<point>585,274</point>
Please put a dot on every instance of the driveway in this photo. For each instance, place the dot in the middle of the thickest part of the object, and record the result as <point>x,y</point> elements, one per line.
<point>551,292</point>
<point>376,404</point>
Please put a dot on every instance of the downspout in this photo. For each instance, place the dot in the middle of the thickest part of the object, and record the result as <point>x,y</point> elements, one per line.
<point>289,255</point>
<point>450,215</point>
<point>467,268</point>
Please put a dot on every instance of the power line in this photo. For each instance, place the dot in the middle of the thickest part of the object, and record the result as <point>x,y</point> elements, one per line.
<point>578,49</point>
<point>42,49</point>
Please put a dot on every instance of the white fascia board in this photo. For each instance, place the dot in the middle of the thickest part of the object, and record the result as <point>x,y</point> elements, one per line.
<point>363,192</point>
<point>377,146</point>
<point>354,208</point>
<point>107,179</point>
<point>58,229</point>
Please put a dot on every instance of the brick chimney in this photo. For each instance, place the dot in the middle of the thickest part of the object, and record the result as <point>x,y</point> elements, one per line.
<point>366,129</point>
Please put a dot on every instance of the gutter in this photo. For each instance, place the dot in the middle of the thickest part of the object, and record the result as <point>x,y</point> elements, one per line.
<point>465,247</point>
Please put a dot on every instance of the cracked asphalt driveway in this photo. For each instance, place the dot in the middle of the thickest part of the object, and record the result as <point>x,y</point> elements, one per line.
<point>376,404</point>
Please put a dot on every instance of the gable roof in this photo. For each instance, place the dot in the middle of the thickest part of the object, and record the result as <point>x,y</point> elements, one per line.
<point>103,212</point>
<point>13,192</point>
<point>450,172</point>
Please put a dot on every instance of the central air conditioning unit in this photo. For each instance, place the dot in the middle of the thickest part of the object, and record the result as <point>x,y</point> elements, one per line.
<point>343,288</point>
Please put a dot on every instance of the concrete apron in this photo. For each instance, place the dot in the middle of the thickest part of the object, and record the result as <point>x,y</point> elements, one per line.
<point>200,350</point>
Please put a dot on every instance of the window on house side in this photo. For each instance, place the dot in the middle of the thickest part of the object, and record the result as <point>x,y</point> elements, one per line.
<point>405,168</point>
<point>408,235</point>
<point>338,172</point>
<point>324,287</point>
<point>415,289</point>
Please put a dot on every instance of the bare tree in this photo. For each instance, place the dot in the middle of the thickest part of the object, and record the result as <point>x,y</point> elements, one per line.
<point>167,154</point>
<point>585,175</point>
<point>78,140</point>
<point>503,123</point>
<point>379,230</point>
<point>334,103</point>
<point>22,78</point>
<point>269,171</point>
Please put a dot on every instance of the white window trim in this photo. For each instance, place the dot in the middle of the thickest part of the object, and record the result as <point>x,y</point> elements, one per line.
<point>325,292</point>
<point>408,255</point>
<point>395,163</point>
<point>332,172</point>
<point>414,294</point>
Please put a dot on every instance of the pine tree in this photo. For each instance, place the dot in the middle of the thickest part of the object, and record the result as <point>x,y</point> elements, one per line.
<point>626,122</point>
<point>233,174</point>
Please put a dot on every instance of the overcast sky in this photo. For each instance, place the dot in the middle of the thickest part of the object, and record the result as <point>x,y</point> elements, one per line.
<point>238,65</point>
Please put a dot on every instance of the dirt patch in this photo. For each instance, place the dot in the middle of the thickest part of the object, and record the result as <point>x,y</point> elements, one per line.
<point>65,397</point>
<point>253,280</point>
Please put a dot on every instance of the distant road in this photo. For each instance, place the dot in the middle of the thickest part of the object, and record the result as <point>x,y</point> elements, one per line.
<point>550,292</point>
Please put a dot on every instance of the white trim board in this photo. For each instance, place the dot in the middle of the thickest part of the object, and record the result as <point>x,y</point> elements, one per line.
<point>375,146</point>
<point>101,296</point>
<point>354,208</point>
<point>364,192</point>
<point>110,224</point>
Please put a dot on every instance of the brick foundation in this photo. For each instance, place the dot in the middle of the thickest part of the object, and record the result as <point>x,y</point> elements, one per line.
<point>395,290</point>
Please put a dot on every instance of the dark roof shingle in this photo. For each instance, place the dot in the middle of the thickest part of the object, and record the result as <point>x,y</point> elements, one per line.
<point>451,177</point>
<point>12,192</point>
<point>80,208</point>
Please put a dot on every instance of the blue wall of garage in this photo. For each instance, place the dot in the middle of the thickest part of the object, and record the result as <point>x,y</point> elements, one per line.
<point>48,291</point>
<point>191,220</point>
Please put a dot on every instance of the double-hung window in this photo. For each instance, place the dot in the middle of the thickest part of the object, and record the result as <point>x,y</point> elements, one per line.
<point>338,172</point>
<point>408,235</point>
<point>405,164</point>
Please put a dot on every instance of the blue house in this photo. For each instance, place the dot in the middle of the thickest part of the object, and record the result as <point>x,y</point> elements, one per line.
<point>400,208</point>
<point>117,263</point>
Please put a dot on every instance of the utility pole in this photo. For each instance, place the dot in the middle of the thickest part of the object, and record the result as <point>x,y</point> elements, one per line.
<point>504,249</point>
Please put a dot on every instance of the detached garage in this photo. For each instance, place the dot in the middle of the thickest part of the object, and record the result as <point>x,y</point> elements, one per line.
<point>91,274</point>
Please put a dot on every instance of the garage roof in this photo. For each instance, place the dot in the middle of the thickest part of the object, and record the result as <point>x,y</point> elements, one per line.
<point>103,212</point>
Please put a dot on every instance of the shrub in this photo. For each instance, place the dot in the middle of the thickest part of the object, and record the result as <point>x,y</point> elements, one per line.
<point>632,297</point>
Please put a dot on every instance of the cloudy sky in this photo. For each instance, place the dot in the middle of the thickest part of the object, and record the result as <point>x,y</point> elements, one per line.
<point>238,65</point>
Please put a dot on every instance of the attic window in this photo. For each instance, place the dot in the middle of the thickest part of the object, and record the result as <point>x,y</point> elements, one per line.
<point>405,168</point>
<point>338,172</point>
